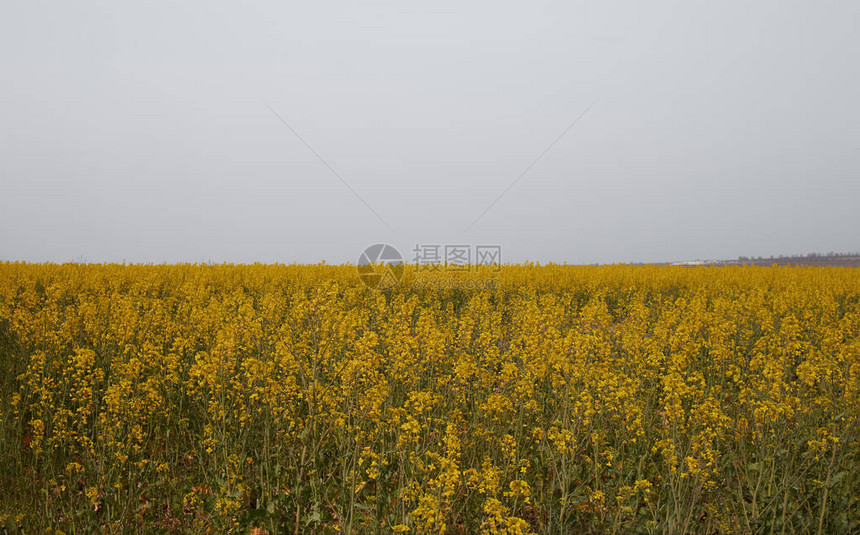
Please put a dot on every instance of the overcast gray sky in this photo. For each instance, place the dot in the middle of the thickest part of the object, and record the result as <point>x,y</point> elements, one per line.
<point>140,131</point>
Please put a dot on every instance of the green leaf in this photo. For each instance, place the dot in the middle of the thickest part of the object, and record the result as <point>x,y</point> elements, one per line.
<point>837,478</point>
<point>313,517</point>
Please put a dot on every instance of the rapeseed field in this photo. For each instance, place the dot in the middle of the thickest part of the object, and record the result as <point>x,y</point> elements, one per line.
<point>271,399</point>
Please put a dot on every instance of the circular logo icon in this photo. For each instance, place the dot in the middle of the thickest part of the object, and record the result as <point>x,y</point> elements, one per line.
<point>380,266</point>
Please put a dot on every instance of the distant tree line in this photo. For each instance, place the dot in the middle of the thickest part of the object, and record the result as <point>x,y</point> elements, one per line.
<point>831,254</point>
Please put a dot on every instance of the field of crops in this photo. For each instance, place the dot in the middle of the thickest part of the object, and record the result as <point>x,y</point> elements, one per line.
<point>293,399</point>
